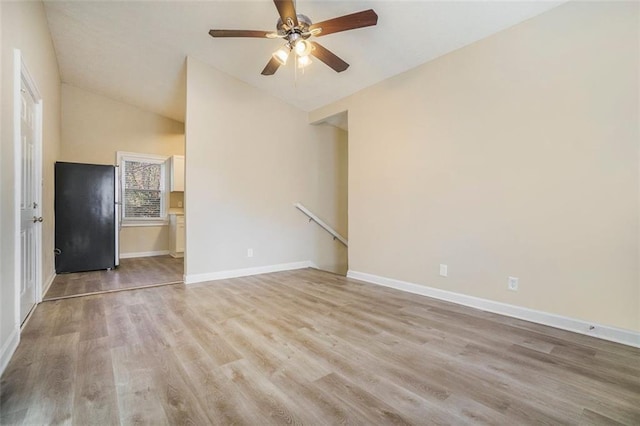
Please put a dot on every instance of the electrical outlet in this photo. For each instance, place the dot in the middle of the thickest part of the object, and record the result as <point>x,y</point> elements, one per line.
<point>443,270</point>
<point>250,252</point>
<point>513,283</point>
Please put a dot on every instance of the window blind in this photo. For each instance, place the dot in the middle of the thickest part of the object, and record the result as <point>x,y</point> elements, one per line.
<point>142,190</point>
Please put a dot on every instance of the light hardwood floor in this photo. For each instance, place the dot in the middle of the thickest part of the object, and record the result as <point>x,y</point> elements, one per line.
<point>306,347</point>
<point>132,273</point>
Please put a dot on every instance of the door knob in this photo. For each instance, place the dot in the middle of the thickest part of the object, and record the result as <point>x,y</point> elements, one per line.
<point>37,219</point>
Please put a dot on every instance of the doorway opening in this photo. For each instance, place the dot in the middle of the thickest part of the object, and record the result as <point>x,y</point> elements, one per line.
<point>331,204</point>
<point>132,209</point>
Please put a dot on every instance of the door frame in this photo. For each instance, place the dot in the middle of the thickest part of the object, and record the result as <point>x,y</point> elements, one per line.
<point>21,74</point>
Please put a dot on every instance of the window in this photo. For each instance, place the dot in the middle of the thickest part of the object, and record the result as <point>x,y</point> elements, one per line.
<point>143,189</point>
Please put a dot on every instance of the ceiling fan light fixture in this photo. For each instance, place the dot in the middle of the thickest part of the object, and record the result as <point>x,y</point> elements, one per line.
<point>303,61</point>
<point>303,48</point>
<point>282,54</point>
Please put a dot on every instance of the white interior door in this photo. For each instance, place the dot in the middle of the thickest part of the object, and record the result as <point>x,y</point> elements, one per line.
<point>30,219</point>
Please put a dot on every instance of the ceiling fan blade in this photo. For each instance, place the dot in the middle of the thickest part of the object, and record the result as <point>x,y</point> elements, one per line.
<point>239,33</point>
<point>271,67</point>
<point>286,9</point>
<point>366,18</point>
<point>328,57</point>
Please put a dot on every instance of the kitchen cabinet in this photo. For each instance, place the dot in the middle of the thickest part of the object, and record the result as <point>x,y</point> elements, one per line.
<point>176,235</point>
<point>176,167</point>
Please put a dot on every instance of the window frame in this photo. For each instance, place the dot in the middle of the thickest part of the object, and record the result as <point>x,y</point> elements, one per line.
<point>122,157</point>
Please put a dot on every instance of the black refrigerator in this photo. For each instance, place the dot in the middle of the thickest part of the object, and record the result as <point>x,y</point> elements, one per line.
<point>86,217</point>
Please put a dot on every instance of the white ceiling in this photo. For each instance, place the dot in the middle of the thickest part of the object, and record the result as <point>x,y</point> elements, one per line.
<point>134,51</point>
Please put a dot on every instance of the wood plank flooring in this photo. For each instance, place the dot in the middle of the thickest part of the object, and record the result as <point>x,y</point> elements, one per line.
<point>306,347</point>
<point>132,273</point>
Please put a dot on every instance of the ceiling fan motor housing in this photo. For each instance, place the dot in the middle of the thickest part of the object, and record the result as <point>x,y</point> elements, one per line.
<point>304,22</point>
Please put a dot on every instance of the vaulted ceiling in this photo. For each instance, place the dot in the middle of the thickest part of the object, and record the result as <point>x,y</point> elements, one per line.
<point>134,51</point>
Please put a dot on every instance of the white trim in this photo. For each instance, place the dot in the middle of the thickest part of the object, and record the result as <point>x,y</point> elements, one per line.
<point>605,332</point>
<point>47,285</point>
<point>144,254</point>
<point>132,223</point>
<point>236,273</point>
<point>122,156</point>
<point>17,167</point>
<point>9,348</point>
<point>140,156</point>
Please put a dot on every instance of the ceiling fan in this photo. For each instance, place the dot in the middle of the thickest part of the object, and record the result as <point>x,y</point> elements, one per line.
<point>295,29</point>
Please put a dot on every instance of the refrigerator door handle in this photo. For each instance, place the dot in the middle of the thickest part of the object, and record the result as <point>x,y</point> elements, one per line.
<point>118,198</point>
<point>117,208</point>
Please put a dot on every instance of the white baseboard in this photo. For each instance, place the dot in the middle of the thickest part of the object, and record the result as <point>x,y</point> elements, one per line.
<point>236,273</point>
<point>8,348</point>
<point>47,284</point>
<point>143,254</point>
<point>626,337</point>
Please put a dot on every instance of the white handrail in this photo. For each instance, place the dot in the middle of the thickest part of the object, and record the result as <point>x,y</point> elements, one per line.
<point>322,223</point>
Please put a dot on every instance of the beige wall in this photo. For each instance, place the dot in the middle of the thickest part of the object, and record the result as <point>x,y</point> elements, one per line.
<point>94,128</point>
<point>24,26</point>
<point>249,158</point>
<point>515,156</point>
